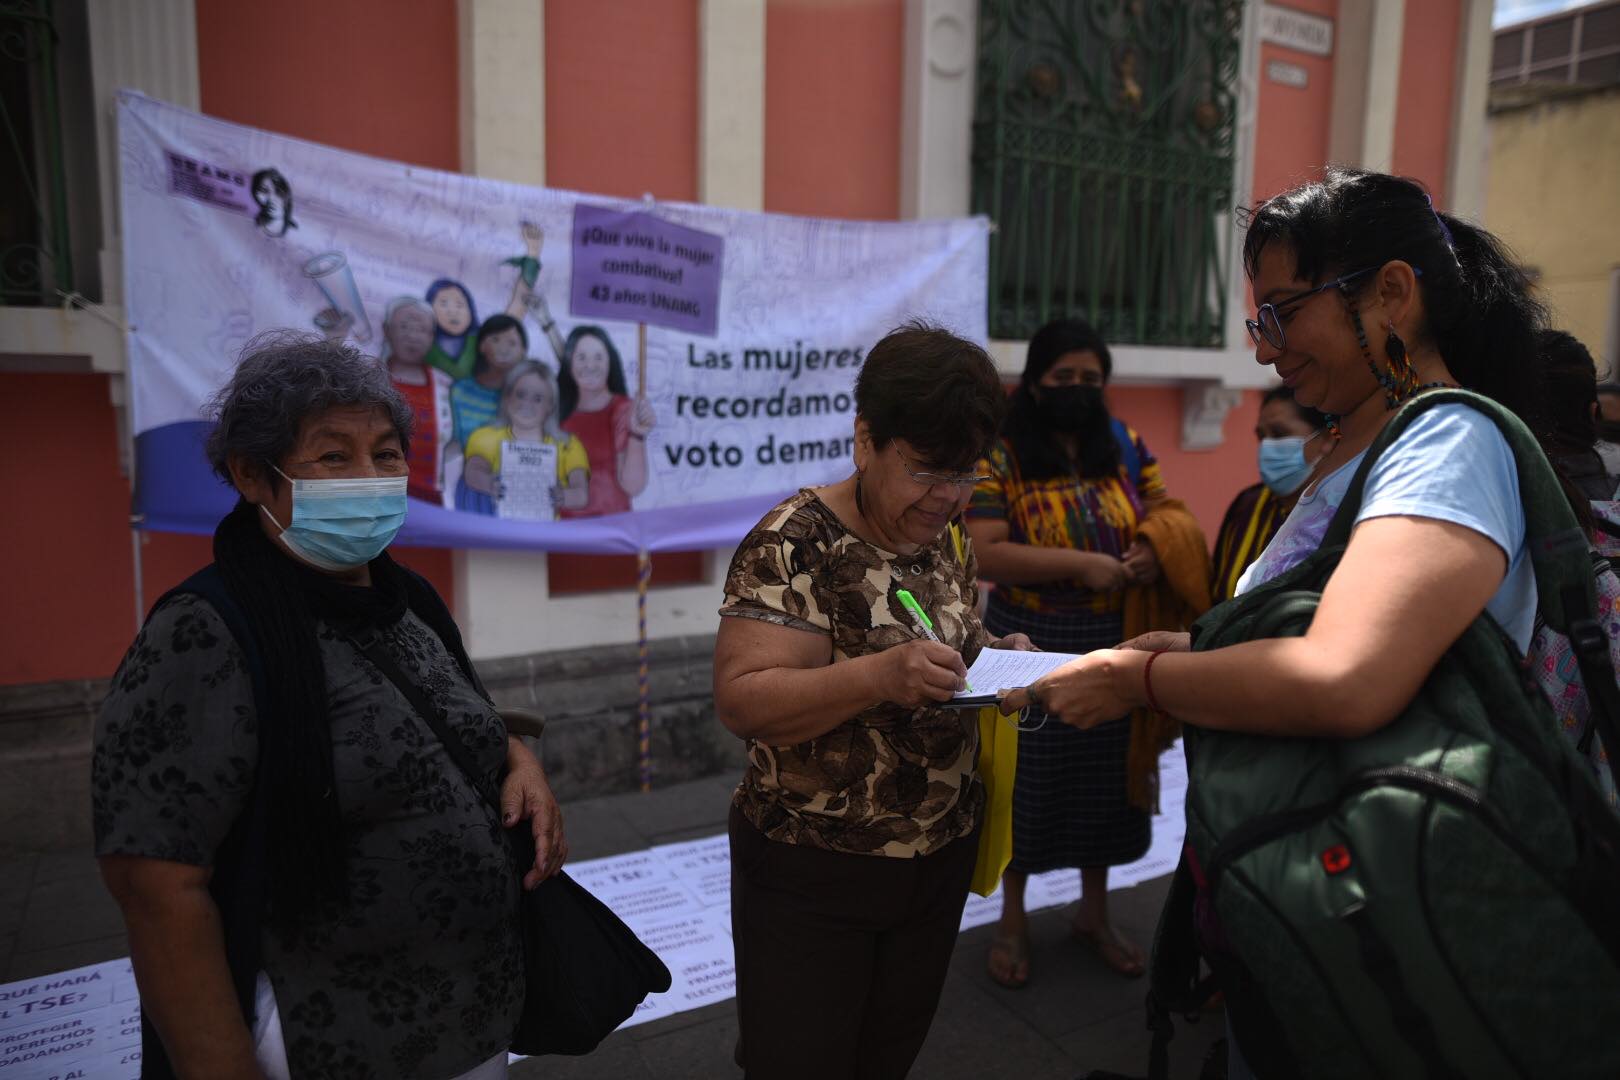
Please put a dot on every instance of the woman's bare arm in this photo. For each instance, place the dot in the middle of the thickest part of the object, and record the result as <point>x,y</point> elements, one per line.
<point>1404,591</point>
<point>1007,562</point>
<point>779,685</point>
<point>178,950</point>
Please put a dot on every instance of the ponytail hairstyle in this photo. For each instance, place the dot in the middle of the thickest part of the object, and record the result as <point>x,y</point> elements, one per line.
<point>1479,313</point>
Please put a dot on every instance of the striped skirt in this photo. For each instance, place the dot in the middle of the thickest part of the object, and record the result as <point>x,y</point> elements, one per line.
<point>1069,799</point>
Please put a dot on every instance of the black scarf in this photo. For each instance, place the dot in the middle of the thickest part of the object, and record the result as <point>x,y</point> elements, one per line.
<point>282,601</point>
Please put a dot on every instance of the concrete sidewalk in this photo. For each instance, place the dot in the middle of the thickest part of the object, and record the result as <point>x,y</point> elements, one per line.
<point>1073,1017</point>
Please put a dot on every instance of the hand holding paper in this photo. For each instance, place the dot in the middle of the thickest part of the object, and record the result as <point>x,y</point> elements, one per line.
<point>1084,691</point>
<point>998,671</point>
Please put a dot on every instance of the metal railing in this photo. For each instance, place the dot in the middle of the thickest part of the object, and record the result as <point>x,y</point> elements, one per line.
<point>1103,149</point>
<point>36,258</point>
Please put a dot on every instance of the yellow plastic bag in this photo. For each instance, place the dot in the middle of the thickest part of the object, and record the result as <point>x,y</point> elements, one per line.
<point>998,762</point>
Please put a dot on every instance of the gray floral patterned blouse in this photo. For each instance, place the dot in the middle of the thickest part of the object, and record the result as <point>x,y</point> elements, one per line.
<point>420,972</point>
<point>893,780</point>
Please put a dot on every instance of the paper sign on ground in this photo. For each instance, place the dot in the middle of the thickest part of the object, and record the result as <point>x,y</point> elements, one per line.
<point>66,993</point>
<point>703,867</point>
<point>981,910</point>
<point>698,952</point>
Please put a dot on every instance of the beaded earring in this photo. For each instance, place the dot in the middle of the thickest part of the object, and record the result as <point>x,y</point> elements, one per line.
<point>1392,388</point>
<point>1400,365</point>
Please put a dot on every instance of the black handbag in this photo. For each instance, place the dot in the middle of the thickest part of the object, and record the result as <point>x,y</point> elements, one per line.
<point>584,970</point>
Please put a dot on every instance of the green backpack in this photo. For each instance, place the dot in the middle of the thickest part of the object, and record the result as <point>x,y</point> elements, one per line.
<point>1438,899</point>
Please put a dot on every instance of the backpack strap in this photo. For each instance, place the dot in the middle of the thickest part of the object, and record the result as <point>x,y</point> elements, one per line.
<point>1128,456</point>
<point>369,643</point>
<point>239,882</point>
<point>431,609</point>
<point>1558,548</point>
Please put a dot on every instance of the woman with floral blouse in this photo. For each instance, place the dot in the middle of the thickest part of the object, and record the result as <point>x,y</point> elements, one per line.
<point>854,831</point>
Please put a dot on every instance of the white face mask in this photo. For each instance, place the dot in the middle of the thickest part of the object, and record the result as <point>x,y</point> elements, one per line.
<point>338,525</point>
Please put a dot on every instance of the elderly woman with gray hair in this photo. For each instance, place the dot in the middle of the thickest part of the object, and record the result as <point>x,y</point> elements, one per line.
<point>435,456</point>
<point>312,885</point>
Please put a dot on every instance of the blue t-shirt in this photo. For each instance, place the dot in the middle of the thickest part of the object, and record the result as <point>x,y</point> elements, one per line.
<point>1451,464</point>
<point>472,406</point>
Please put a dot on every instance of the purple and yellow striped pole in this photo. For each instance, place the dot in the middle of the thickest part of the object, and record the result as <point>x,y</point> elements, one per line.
<point>644,699</point>
<point>643,579</point>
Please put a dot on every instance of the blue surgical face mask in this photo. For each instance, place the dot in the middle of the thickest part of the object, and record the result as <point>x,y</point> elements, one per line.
<point>1283,466</point>
<point>338,525</point>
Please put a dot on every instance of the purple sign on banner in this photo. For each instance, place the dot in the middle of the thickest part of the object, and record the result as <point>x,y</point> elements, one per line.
<point>631,266</point>
<point>215,185</point>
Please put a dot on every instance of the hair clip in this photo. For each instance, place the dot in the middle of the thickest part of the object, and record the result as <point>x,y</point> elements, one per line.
<point>1440,221</point>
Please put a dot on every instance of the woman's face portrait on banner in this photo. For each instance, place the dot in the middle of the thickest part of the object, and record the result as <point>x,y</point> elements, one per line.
<point>529,402</point>
<point>410,333</point>
<point>273,195</point>
<point>502,349</point>
<point>590,365</point>
<point>451,309</point>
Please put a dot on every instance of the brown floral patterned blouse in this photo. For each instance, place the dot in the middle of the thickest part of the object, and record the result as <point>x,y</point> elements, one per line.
<point>893,780</point>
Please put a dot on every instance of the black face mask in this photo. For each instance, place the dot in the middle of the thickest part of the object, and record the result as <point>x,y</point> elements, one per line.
<point>1609,431</point>
<point>1071,409</point>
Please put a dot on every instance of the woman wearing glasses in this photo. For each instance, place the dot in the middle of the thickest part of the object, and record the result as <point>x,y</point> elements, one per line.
<point>1368,295</point>
<point>854,831</point>
<point>1055,525</point>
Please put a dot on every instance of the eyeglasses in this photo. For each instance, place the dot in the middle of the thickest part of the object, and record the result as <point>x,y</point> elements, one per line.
<point>932,479</point>
<point>1266,327</point>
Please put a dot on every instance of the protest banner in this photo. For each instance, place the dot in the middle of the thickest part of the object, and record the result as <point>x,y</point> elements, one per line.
<point>755,326</point>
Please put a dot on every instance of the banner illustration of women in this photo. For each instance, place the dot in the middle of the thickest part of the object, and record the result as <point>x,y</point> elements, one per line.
<point>597,407</point>
<point>526,415</point>
<point>435,455</point>
<point>456,330</point>
<point>594,398</point>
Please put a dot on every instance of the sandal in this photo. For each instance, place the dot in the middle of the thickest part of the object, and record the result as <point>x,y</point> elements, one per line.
<point>1112,948</point>
<point>1013,951</point>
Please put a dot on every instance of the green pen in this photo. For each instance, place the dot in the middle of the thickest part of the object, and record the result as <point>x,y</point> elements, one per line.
<point>925,625</point>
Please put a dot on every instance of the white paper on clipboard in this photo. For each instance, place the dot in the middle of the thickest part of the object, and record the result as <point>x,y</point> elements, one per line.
<point>999,670</point>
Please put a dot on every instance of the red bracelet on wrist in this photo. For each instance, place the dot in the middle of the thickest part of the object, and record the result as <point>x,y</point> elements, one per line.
<point>1147,679</point>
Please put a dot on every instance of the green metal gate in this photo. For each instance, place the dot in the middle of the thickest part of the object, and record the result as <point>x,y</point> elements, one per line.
<point>36,259</point>
<point>1103,144</point>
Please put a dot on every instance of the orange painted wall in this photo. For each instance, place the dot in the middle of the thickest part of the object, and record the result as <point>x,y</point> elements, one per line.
<point>391,89</point>
<point>622,128</point>
<point>1292,126</point>
<point>1206,480</point>
<point>1427,94</point>
<point>832,107</point>
<point>67,590</point>
<point>622,97</point>
<point>375,76</point>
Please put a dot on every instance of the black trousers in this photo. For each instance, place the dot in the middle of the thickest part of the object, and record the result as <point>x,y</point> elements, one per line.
<point>840,958</point>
